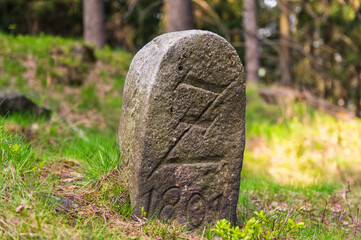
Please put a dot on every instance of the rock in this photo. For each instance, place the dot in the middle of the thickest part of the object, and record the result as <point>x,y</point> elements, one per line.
<point>85,53</point>
<point>15,102</point>
<point>181,131</point>
<point>60,204</point>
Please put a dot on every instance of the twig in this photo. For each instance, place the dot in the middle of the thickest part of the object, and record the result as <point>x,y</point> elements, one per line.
<point>317,235</point>
<point>132,4</point>
<point>6,225</point>
<point>76,129</point>
<point>31,235</point>
<point>348,190</point>
<point>341,216</point>
<point>324,212</point>
<point>273,225</point>
<point>290,210</point>
<point>356,225</point>
<point>204,230</point>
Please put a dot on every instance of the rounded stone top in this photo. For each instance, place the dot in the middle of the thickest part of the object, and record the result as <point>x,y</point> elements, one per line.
<point>148,59</point>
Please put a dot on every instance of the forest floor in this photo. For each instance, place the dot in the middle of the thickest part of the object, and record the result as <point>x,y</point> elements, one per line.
<point>59,177</point>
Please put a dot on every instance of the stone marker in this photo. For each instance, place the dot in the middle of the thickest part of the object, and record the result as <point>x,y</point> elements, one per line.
<point>181,131</point>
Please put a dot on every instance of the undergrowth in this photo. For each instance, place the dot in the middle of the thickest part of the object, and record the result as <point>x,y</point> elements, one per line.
<point>302,147</point>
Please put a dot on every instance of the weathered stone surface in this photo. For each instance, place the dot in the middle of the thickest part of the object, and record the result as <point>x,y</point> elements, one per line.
<point>15,102</point>
<point>182,128</point>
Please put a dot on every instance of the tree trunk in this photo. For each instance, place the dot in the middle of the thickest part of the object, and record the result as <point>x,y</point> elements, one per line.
<point>285,38</point>
<point>358,92</point>
<point>93,20</point>
<point>251,40</point>
<point>179,15</point>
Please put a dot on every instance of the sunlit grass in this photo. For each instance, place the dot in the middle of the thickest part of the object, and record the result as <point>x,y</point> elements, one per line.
<point>310,147</point>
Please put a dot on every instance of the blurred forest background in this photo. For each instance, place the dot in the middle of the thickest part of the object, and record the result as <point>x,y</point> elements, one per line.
<point>72,56</point>
<point>313,45</point>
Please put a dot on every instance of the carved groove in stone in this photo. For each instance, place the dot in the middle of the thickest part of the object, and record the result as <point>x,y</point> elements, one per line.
<point>199,83</point>
<point>190,114</point>
<point>148,196</point>
<point>174,145</point>
<point>167,212</point>
<point>203,159</point>
<point>211,159</point>
<point>216,204</point>
<point>172,196</point>
<point>169,150</point>
<point>197,208</point>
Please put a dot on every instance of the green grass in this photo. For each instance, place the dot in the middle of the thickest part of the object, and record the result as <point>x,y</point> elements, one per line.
<point>298,161</point>
<point>97,156</point>
<point>323,208</point>
<point>92,181</point>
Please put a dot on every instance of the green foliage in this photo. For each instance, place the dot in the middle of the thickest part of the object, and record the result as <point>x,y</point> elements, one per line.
<point>127,25</point>
<point>323,26</point>
<point>34,16</point>
<point>16,156</point>
<point>252,230</point>
<point>262,226</point>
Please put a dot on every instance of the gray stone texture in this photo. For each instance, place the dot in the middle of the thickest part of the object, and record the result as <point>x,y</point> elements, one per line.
<point>181,131</point>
